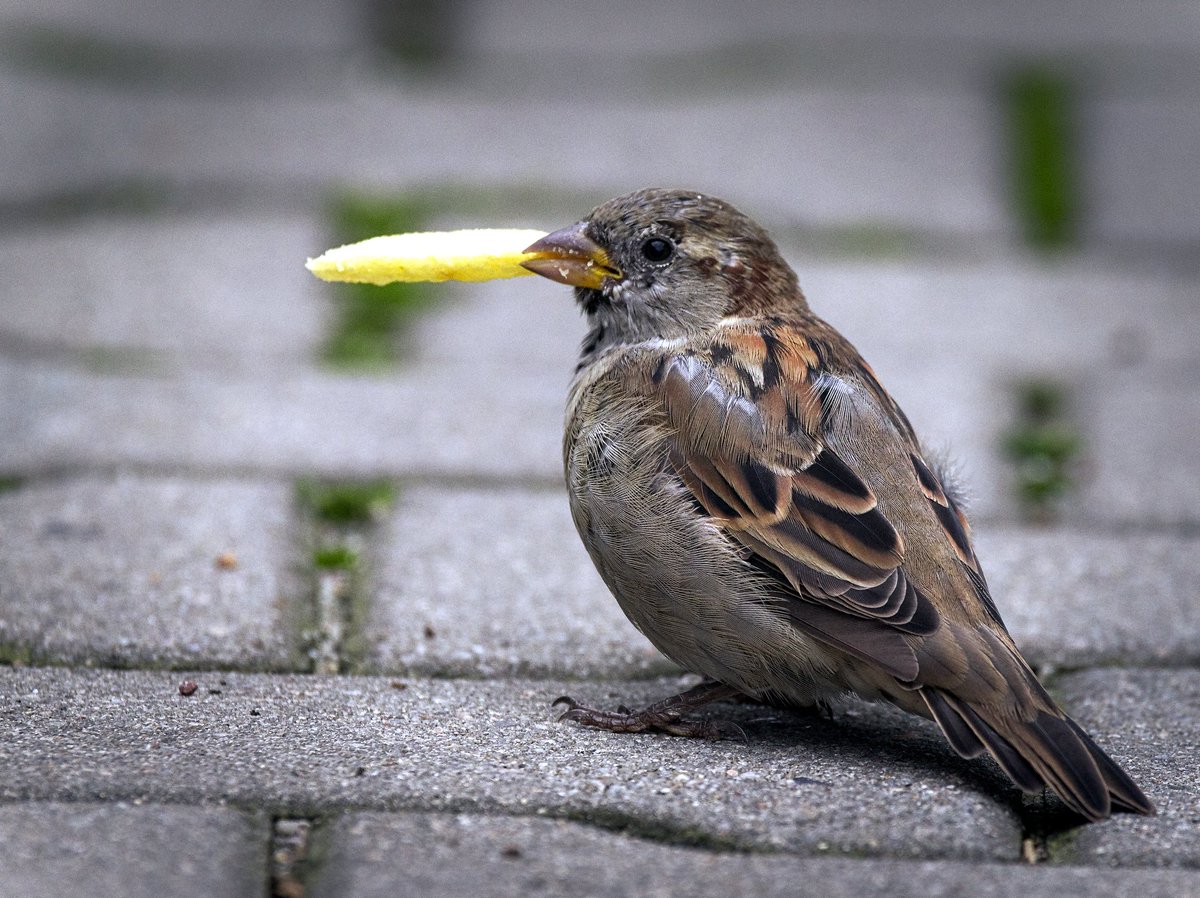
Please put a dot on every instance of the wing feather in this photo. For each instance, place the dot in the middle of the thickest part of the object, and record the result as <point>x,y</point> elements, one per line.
<point>752,447</point>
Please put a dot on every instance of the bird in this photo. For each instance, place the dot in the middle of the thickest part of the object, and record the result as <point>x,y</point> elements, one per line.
<point>763,511</point>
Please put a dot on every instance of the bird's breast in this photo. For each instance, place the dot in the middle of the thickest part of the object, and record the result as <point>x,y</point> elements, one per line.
<point>675,573</point>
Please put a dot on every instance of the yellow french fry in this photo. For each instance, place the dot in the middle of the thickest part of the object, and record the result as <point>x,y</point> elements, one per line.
<point>483,254</point>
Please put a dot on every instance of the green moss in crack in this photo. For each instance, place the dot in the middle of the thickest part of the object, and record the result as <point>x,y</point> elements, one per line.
<point>1043,446</point>
<point>420,36</point>
<point>344,504</point>
<point>370,319</point>
<point>1062,847</point>
<point>66,52</point>
<point>119,360</point>
<point>335,557</point>
<point>1044,167</point>
<point>14,654</point>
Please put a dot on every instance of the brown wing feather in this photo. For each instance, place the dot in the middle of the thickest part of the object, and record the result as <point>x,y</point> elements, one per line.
<point>792,500</point>
<point>751,415</point>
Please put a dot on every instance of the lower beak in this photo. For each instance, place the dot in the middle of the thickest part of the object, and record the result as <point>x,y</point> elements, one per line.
<point>571,257</point>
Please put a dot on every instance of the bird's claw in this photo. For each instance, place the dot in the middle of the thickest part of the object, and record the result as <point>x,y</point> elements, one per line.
<point>624,720</point>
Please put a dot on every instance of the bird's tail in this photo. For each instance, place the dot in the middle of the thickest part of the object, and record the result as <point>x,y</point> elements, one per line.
<point>1039,749</point>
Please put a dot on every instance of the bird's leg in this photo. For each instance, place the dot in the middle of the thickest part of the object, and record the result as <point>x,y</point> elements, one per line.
<point>664,716</point>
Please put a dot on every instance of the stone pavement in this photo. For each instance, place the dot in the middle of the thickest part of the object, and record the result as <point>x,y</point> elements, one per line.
<point>382,725</point>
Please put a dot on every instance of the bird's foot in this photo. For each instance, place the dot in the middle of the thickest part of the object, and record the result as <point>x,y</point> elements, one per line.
<point>665,716</point>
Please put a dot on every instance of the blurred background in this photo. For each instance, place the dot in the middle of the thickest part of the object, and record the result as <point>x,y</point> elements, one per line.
<point>212,463</point>
<point>998,202</point>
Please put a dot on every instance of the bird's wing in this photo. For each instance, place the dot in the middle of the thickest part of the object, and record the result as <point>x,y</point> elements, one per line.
<point>761,436</point>
<point>790,444</point>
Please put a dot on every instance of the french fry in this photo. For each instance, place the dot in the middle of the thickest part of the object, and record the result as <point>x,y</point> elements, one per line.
<point>483,254</point>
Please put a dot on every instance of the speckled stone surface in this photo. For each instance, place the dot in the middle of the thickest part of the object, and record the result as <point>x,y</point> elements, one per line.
<point>503,582</point>
<point>486,582</point>
<point>465,854</point>
<point>872,783</point>
<point>160,571</point>
<point>1150,721</point>
<point>139,851</point>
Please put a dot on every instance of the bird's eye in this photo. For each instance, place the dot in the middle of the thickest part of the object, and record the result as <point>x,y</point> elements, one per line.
<point>658,249</point>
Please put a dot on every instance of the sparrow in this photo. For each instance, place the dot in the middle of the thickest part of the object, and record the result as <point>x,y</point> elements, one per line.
<point>762,510</point>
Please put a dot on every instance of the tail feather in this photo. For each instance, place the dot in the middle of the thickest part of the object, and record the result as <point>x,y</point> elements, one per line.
<point>953,723</point>
<point>970,736</point>
<point>1123,792</point>
<point>1066,763</point>
<point>1047,751</point>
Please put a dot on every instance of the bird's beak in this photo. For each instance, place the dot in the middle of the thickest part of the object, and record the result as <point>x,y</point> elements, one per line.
<point>571,257</point>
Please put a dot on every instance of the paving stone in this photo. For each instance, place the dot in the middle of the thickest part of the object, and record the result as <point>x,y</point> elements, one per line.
<point>495,582</point>
<point>59,415</point>
<point>1150,721</point>
<point>915,102</point>
<point>496,26</point>
<point>873,781</point>
<point>500,356</point>
<point>154,571</point>
<point>1073,598</point>
<point>1007,315</point>
<point>374,854</point>
<point>951,342</point>
<point>1143,434</point>
<point>929,171</point>
<point>1140,150</point>
<point>1001,316</point>
<point>310,25</point>
<point>228,292</point>
<point>502,579</point>
<point>1006,25</point>
<point>148,851</point>
<point>919,116</point>
<point>523,326</point>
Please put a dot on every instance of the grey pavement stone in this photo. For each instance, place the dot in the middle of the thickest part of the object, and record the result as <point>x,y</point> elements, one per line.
<point>521,326</point>
<point>302,421</point>
<point>501,580</point>
<point>950,341</point>
<point>148,851</point>
<point>128,570</point>
<point>1140,150</point>
<point>1005,316</point>
<point>500,26</point>
<point>1007,25</point>
<point>931,173</point>
<point>915,105</point>
<point>1073,598</point>
<point>871,782</point>
<point>310,25</point>
<point>483,391</point>
<point>373,854</point>
<point>228,292</point>
<point>1150,721</point>
<point>1143,433</point>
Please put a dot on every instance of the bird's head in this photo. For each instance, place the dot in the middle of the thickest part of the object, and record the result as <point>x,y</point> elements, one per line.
<point>664,264</point>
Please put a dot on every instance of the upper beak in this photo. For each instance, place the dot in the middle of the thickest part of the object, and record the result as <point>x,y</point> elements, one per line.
<point>571,257</point>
